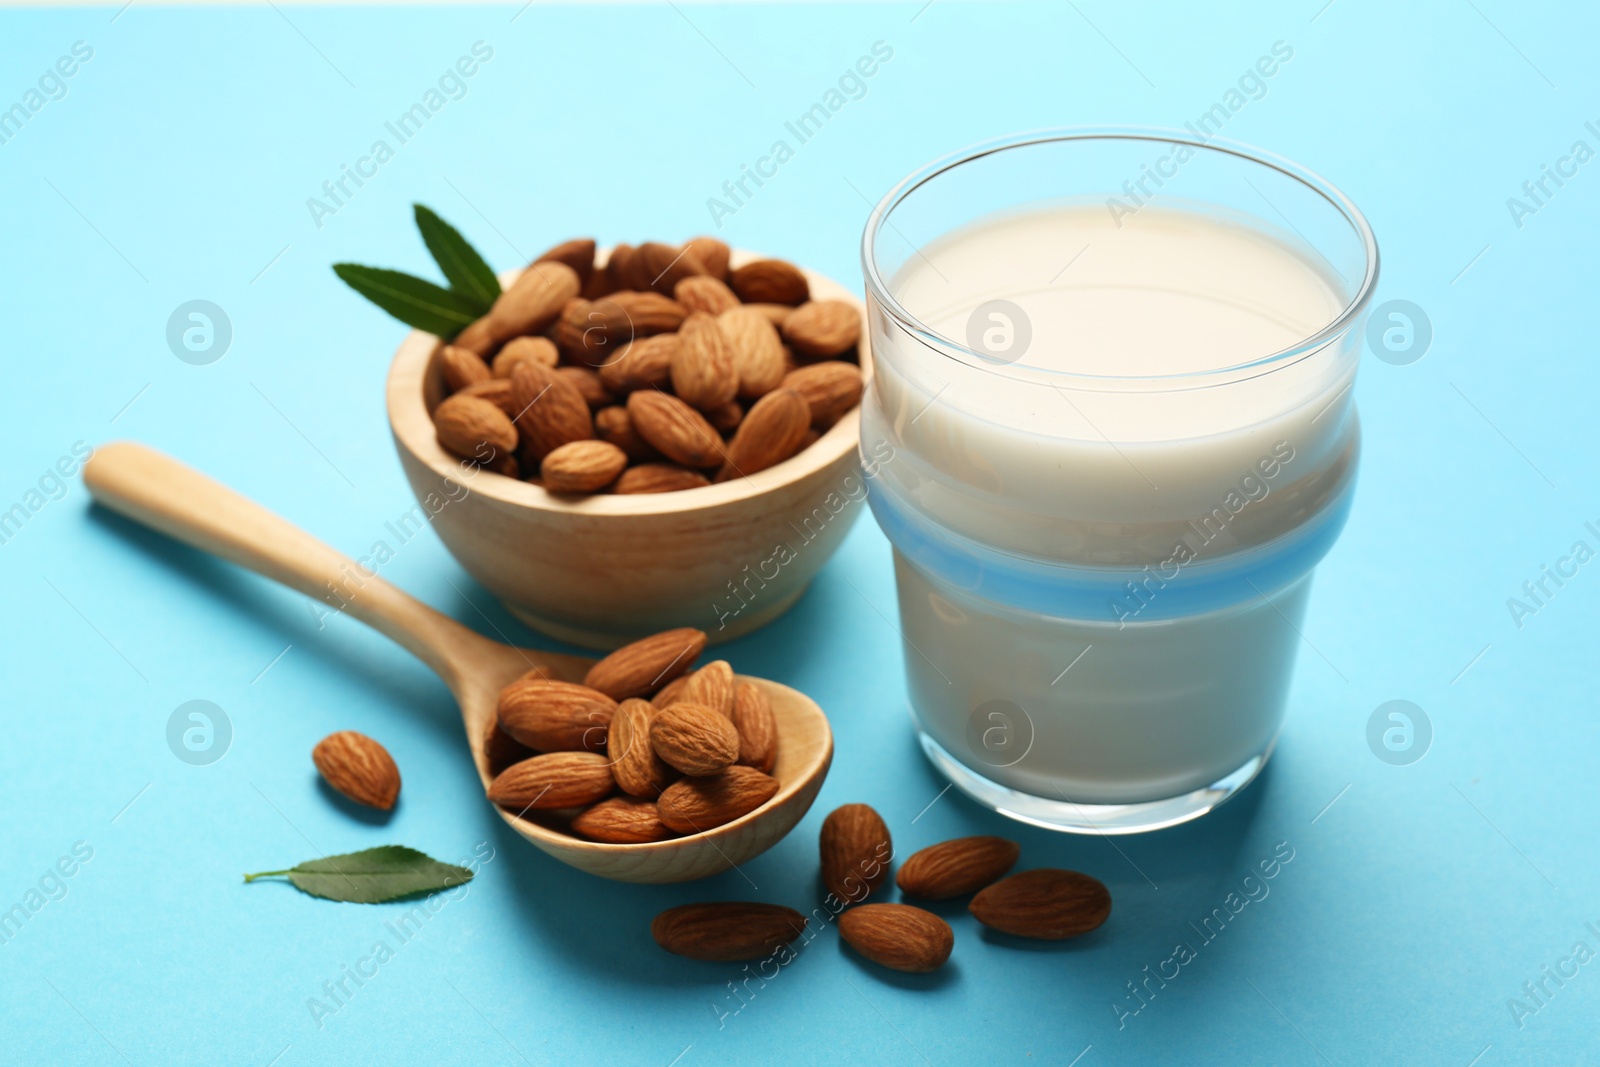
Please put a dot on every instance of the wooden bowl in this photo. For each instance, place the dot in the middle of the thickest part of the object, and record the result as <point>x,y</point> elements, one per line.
<point>604,570</point>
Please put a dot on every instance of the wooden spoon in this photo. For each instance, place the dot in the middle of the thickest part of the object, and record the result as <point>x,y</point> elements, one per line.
<point>160,492</point>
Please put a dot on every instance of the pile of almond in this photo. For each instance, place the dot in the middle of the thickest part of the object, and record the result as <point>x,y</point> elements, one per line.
<point>662,370</point>
<point>856,851</point>
<point>686,750</point>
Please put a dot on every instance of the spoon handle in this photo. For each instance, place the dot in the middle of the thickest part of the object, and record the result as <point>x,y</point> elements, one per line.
<point>158,491</point>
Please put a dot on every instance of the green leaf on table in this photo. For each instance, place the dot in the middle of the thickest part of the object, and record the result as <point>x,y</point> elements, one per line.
<point>468,274</point>
<point>413,301</point>
<point>373,875</point>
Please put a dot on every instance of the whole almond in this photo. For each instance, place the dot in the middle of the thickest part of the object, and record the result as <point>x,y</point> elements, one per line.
<point>712,687</point>
<point>460,367</point>
<point>658,478</point>
<point>693,805</point>
<point>757,350</point>
<point>823,329</point>
<point>1046,904</point>
<point>619,267</point>
<point>727,932</point>
<point>856,850</point>
<point>622,821</point>
<point>540,350</point>
<point>614,425</point>
<point>830,389</point>
<point>474,428</point>
<point>496,391</point>
<point>645,363</point>
<point>956,868</point>
<point>757,726</point>
<point>501,750</point>
<point>770,433</point>
<point>358,767</point>
<point>667,266</point>
<point>589,386</point>
<point>670,692</point>
<point>770,281</point>
<point>582,467</point>
<point>640,668</point>
<point>532,303</point>
<point>593,332</point>
<point>675,429</point>
<point>599,284</point>
<point>694,739</point>
<point>551,411</point>
<point>898,936</point>
<point>701,292</point>
<point>553,780</point>
<point>577,253</point>
<point>634,764</point>
<point>702,369</point>
<point>712,254</point>
<point>556,716</point>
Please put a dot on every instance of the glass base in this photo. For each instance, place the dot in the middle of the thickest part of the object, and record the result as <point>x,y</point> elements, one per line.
<point>1074,818</point>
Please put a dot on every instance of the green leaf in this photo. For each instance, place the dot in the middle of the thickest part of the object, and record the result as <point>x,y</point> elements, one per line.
<point>372,876</point>
<point>413,301</point>
<point>468,274</point>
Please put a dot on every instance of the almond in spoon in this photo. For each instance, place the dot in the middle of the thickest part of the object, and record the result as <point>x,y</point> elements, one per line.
<point>640,668</point>
<point>695,739</point>
<point>692,805</point>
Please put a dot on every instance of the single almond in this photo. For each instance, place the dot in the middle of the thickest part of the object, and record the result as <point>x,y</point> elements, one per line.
<point>622,821</point>
<point>694,739</point>
<point>619,267</point>
<point>770,433</point>
<point>1046,904</point>
<point>702,369</point>
<point>460,367</point>
<point>645,363</point>
<point>634,764</point>
<point>614,425</point>
<point>757,350</point>
<point>701,292</point>
<point>770,281</point>
<point>757,726</point>
<point>898,936</point>
<point>582,467</point>
<point>551,411</point>
<point>956,868</point>
<point>641,668</point>
<point>666,266</point>
<point>712,686</point>
<point>540,350</point>
<point>553,780</point>
<point>693,805</point>
<point>474,428</point>
<point>830,389</point>
<point>532,303</point>
<point>856,850</point>
<point>577,253</point>
<point>358,767</point>
<point>556,716</point>
<point>823,329</point>
<point>658,478</point>
<point>727,932</point>
<point>501,750</point>
<point>675,429</point>
<point>712,254</point>
<point>670,692</point>
<point>496,391</point>
<point>589,386</point>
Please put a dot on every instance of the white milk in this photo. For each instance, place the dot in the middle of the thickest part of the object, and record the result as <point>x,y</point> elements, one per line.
<point>1086,452</point>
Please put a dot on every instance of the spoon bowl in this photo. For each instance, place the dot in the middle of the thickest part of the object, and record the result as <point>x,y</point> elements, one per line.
<point>162,493</point>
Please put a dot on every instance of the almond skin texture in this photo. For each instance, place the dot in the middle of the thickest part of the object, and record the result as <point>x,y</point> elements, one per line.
<point>770,433</point>
<point>770,281</point>
<point>726,932</point>
<point>667,266</point>
<point>501,750</point>
<point>823,329</point>
<point>551,411</point>
<point>711,687</point>
<point>540,350</point>
<point>556,716</point>
<point>1045,904</point>
<point>554,780</point>
<point>727,418</point>
<point>474,428</point>
<point>532,303</point>
<point>702,369</point>
<point>694,739</point>
<point>777,314</point>
<point>757,350</point>
<point>634,764</point>
<point>460,368</point>
<point>675,429</point>
<point>589,386</point>
<point>582,467</point>
<point>622,821</point>
<point>577,253</point>
<point>898,936</point>
<point>856,849</point>
<point>670,692</point>
<point>496,391</point>
<point>757,726</point>
<point>640,668</point>
<point>358,767</point>
<point>712,254</point>
<point>691,805</point>
<point>658,478</point>
<point>619,267</point>
<point>830,389</point>
<point>956,868</point>
<point>614,426</point>
<point>646,363</point>
<point>701,292</point>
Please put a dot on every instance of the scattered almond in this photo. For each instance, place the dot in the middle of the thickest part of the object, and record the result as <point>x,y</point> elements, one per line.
<point>726,932</point>
<point>556,716</point>
<point>582,467</point>
<point>898,936</point>
<point>553,780</point>
<point>1045,904</point>
<point>757,726</point>
<point>694,738</point>
<point>640,668</point>
<point>693,805</point>
<point>622,821</point>
<point>770,281</point>
<point>956,868</point>
<point>359,768</point>
<point>856,850</point>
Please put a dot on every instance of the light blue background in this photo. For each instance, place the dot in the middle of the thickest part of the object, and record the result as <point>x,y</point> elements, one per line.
<point>178,166</point>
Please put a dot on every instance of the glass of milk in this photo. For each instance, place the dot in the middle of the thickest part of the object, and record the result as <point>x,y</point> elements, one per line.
<point>1109,434</point>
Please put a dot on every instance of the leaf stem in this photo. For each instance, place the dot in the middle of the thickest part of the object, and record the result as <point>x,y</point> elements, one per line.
<point>265,874</point>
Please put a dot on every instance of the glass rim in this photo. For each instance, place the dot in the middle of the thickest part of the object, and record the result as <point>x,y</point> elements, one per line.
<point>878,288</point>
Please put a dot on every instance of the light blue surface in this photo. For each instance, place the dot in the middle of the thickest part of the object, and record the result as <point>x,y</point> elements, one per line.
<point>177,167</point>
